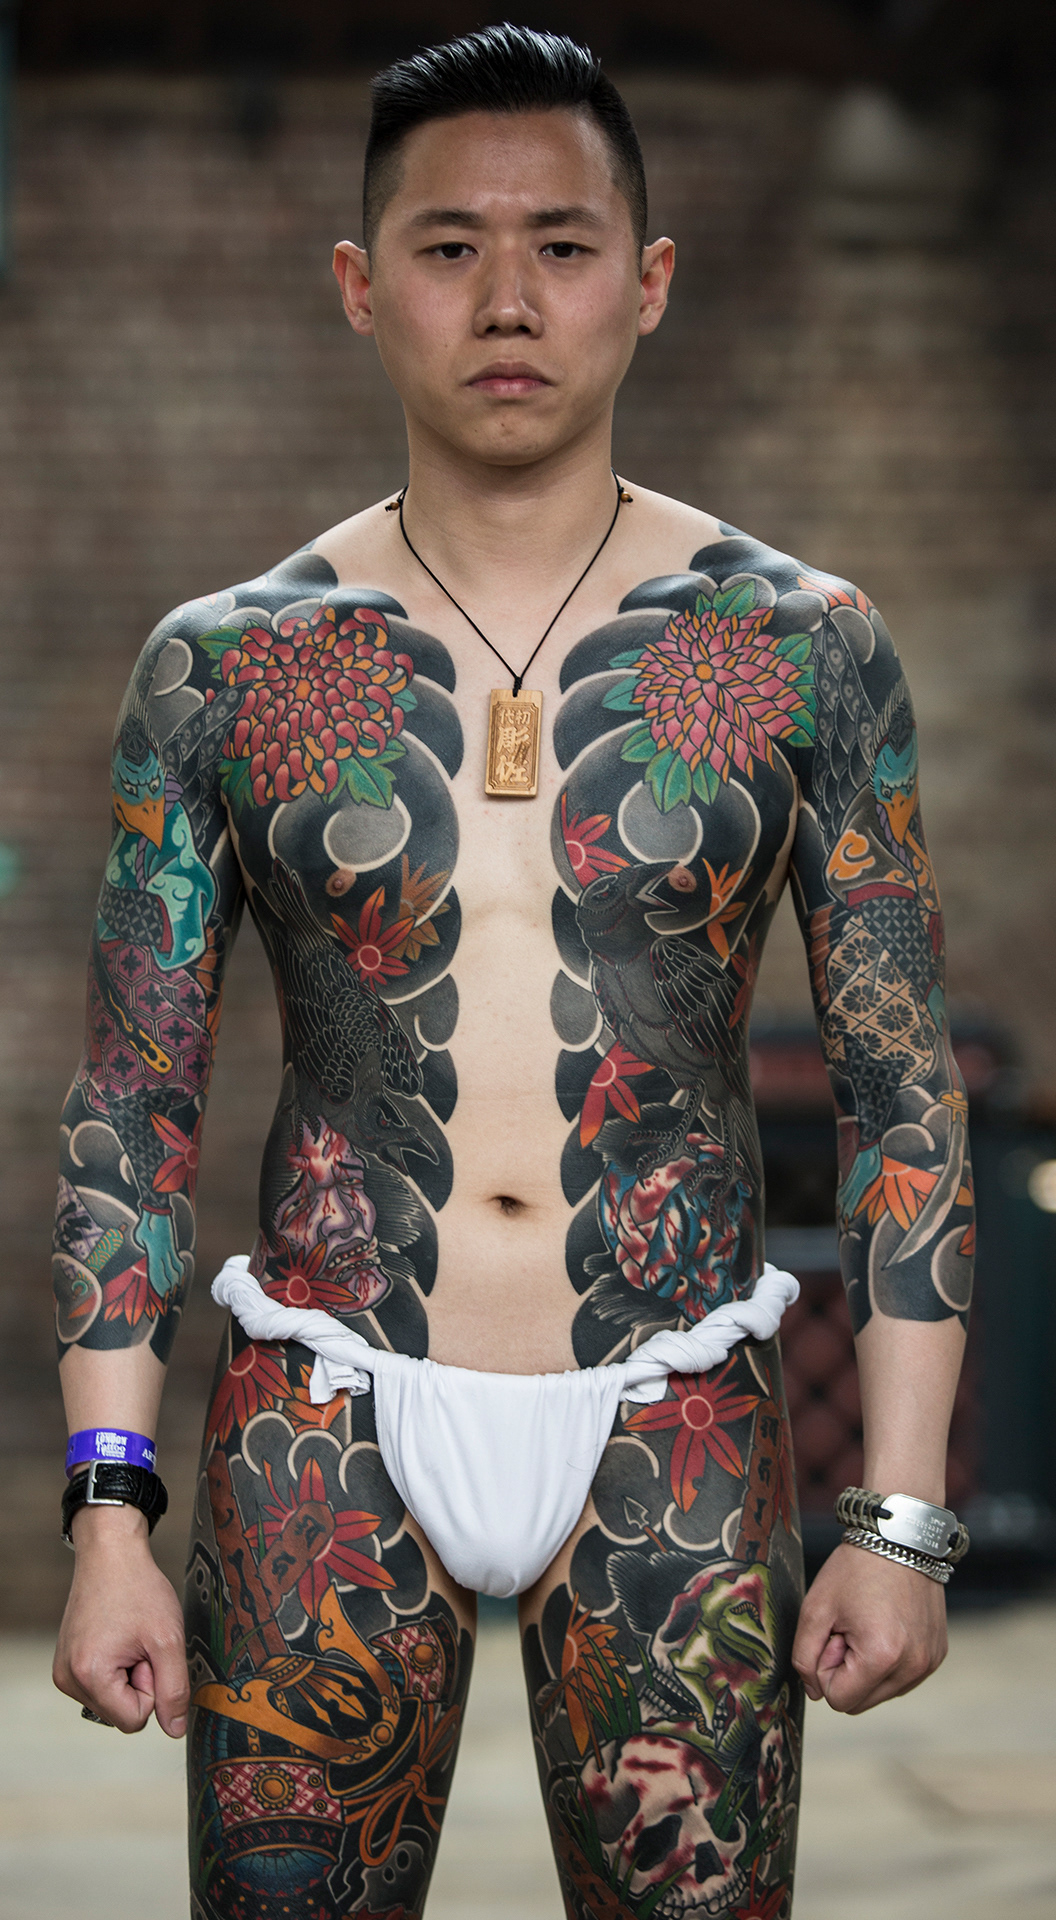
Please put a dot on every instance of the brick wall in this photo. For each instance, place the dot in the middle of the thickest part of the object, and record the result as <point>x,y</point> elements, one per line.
<point>181,403</point>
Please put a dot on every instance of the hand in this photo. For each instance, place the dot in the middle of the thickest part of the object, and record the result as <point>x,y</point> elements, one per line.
<point>121,1645</point>
<point>869,1630</point>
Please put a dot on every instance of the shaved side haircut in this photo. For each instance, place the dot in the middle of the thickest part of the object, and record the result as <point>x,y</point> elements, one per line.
<point>499,70</point>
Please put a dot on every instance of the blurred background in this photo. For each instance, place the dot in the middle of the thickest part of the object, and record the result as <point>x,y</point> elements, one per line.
<point>858,366</point>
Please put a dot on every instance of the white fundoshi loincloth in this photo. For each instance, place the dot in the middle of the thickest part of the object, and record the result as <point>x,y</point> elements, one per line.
<point>495,1467</point>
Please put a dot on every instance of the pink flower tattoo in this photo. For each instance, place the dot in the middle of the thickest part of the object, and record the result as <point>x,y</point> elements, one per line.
<point>713,693</point>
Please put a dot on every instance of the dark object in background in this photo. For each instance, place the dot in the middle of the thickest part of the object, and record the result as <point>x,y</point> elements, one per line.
<point>914,48</point>
<point>1002,1461</point>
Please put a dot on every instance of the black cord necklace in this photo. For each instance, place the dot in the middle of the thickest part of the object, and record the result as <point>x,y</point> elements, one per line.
<point>515,716</point>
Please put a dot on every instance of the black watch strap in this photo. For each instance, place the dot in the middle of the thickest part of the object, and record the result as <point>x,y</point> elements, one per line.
<point>113,1483</point>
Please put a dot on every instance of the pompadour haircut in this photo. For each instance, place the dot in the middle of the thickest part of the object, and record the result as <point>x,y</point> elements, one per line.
<point>501,69</point>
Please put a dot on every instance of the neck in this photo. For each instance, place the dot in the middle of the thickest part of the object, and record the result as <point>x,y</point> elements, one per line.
<point>485,528</point>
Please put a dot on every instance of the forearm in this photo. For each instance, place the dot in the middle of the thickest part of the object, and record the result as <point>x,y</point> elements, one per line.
<point>124,1226</point>
<point>120,1649</point>
<point>908,1372</point>
<point>870,1630</point>
<point>120,1387</point>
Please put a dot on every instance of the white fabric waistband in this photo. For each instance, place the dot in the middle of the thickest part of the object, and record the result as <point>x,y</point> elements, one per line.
<point>495,1467</point>
<point>344,1360</point>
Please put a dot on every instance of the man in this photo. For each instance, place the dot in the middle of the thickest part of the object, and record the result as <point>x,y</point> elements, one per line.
<point>514,1132</point>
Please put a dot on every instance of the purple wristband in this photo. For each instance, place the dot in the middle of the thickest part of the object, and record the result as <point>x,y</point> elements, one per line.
<point>110,1443</point>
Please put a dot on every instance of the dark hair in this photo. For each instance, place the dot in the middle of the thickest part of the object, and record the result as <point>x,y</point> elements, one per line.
<point>499,70</point>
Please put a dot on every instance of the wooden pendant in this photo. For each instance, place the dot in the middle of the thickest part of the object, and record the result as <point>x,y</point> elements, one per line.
<point>515,723</point>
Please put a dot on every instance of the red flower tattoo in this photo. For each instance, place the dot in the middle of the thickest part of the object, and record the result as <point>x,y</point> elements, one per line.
<point>180,1169</point>
<point>255,1379</point>
<point>130,1296</point>
<point>609,1088</point>
<point>323,706</point>
<point>586,859</point>
<point>699,1410</point>
<point>713,693</point>
<point>337,1557</point>
<point>370,948</point>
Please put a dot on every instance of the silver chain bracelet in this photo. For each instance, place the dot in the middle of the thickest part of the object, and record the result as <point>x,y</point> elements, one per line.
<point>931,1530</point>
<point>937,1570</point>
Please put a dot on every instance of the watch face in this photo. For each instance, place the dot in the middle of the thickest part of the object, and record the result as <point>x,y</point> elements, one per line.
<point>916,1523</point>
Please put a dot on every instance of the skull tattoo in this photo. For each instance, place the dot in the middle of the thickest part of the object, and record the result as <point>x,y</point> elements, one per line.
<point>655,1804</point>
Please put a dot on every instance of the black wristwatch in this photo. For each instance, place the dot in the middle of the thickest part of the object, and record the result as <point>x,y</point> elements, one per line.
<point>111,1483</point>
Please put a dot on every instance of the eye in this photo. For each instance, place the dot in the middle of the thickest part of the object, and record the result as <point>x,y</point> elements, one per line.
<point>452,250</point>
<point>155,783</point>
<point>562,249</point>
<point>685,1618</point>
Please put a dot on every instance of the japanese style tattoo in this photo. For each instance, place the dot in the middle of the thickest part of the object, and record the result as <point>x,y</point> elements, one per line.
<point>731,723</point>
<point>740,720</point>
<point>290,746</point>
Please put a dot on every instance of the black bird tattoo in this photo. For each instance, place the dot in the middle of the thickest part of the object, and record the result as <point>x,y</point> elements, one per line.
<point>347,1042</point>
<point>670,1002</point>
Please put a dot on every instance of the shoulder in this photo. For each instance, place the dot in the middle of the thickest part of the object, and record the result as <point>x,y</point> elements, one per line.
<point>746,594</point>
<point>741,654</point>
<point>302,575</point>
<point>187,646</point>
<point>662,526</point>
<point>727,597</point>
<point>179,690</point>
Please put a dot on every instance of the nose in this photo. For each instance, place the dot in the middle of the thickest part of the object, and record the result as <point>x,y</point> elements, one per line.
<point>507,306</point>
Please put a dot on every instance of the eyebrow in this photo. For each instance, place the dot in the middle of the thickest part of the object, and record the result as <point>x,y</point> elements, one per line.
<point>572,216</point>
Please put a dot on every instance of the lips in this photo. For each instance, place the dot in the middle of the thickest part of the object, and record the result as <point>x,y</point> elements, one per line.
<point>509,377</point>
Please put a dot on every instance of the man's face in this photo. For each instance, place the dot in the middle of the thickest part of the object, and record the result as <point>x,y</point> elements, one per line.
<point>505,289</point>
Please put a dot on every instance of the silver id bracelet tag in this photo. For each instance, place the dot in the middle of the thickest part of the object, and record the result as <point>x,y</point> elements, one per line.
<point>917,1524</point>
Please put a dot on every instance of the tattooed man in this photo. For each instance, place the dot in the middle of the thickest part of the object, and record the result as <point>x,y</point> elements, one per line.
<point>514,1145</point>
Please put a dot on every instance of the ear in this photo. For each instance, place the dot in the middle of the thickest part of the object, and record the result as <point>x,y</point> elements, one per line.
<point>658,264</point>
<point>352,272</point>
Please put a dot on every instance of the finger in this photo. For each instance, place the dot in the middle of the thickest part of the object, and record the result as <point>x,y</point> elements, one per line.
<point>812,1636</point>
<point>863,1682</point>
<point>833,1653</point>
<point>908,1674</point>
<point>109,1692</point>
<point>172,1687</point>
<point>832,1657</point>
<point>141,1677</point>
<point>888,1689</point>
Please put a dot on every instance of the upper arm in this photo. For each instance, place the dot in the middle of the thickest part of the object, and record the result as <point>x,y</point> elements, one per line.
<point>867,901</point>
<point>171,889</point>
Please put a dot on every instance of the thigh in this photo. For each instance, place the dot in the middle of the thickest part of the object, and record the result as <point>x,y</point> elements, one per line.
<point>330,1656</point>
<point>667,1716</point>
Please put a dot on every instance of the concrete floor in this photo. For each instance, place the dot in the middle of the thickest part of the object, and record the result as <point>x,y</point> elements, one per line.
<point>940,1806</point>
